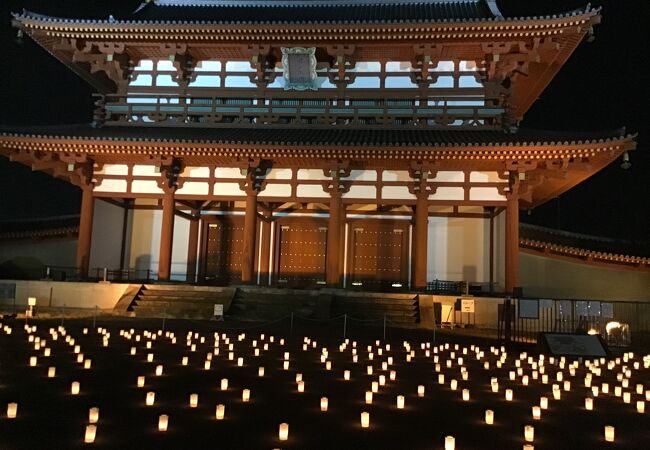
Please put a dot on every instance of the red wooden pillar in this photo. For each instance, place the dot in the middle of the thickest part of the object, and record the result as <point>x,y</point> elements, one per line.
<point>332,255</point>
<point>193,241</point>
<point>265,250</point>
<point>85,231</point>
<point>250,233</point>
<point>420,241</point>
<point>512,243</point>
<point>166,235</point>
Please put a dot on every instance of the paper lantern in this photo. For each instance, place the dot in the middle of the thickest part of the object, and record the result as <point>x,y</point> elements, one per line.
<point>365,420</point>
<point>93,415</point>
<point>509,395</point>
<point>466,395</point>
<point>74,388</point>
<point>369,370</point>
<point>605,388</point>
<point>47,352</point>
<point>91,432</point>
<point>328,365</point>
<point>12,410</point>
<point>374,387</point>
<point>283,433</point>
<point>524,380</point>
<point>453,384</point>
<point>140,381</point>
<point>528,447</point>
<point>31,301</point>
<point>33,360</point>
<point>207,364</point>
<point>346,375</point>
<point>220,412</point>
<point>529,433</point>
<point>224,384</point>
<point>133,350</point>
<point>51,372</point>
<point>618,390</point>
<point>194,400</point>
<point>537,412</point>
<point>246,395</point>
<point>400,402</point>
<point>163,422</point>
<point>87,364</point>
<point>609,433</point>
<point>382,380</point>
<point>369,397</point>
<point>184,361</point>
<point>260,371</point>
<point>420,391</point>
<point>323,403</point>
<point>489,416</point>
<point>495,387</point>
<point>151,398</point>
<point>159,370</point>
<point>543,402</point>
<point>589,404</point>
<point>392,375</point>
<point>441,378</point>
<point>240,361</point>
<point>595,390</point>
<point>640,406</point>
<point>301,386</point>
<point>285,365</point>
<point>149,357</point>
<point>450,443</point>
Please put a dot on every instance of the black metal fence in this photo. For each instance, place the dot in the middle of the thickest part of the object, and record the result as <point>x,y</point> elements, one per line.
<point>620,323</point>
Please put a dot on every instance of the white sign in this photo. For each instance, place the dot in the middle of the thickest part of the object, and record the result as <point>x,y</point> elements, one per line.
<point>218,310</point>
<point>467,305</point>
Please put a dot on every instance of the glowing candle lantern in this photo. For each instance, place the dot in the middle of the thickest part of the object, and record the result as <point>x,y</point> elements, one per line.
<point>626,397</point>
<point>382,380</point>
<point>450,443</point>
<point>609,433</point>
<point>640,406</point>
<point>594,391</point>
<point>489,416</point>
<point>524,380</point>
<point>466,395</point>
<point>441,378</point>
<point>149,357</point>
<point>159,370</point>
<point>365,420</point>
<point>537,412</point>
<point>346,375</point>
<point>392,375</point>
<point>400,402</point>
<point>74,388</point>
<point>91,432</point>
<point>557,394</point>
<point>33,360</point>
<point>301,386</point>
<point>260,371</point>
<point>355,358</point>
<point>240,361</point>
<point>133,350</point>
<point>12,410</point>
<point>220,412</point>
<point>224,384</point>
<point>283,433</point>
<point>495,387</point>
<point>543,402</point>
<point>324,403</point>
<point>453,384</point>
<point>51,372</point>
<point>369,397</point>
<point>140,381</point>
<point>605,388</point>
<point>207,364</point>
<point>528,447</point>
<point>618,390</point>
<point>87,363</point>
<point>589,404</point>
<point>93,415</point>
<point>184,361</point>
<point>420,391</point>
<point>150,399</point>
<point>328,365</point>
<point>246,395</point>
<point>286,365</point>
<point>163,422</point>
<point>509,395</point>
<point>529,433</point>
<point>47,352</point>
<point>374,387</point>
<point>369,370</point>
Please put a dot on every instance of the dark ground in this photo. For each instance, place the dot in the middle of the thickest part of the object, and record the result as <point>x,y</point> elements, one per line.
<point>49,417</point>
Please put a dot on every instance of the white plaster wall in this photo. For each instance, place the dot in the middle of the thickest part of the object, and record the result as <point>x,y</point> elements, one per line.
<point>144,246</point>
<point>107,235</point>
<point>458,249</point>
<point>554,278</point>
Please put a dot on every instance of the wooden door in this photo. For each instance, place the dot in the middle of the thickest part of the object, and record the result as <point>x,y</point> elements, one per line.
<point>378,254</point>
<point>301,245</point>
<point>222,245</point>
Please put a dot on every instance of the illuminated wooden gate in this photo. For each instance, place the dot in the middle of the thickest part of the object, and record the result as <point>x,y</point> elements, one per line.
<point>301,245</point>
<point>378,253</point>
<point>221,246</point>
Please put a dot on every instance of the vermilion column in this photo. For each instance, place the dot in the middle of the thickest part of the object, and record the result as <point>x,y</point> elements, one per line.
<point>166,235</point>
<point>192,243</point>
<point>332,255</point>
<point>420,242</point>
<point>85,231</point>
<point>265,249</point>
<point>512,243</point>
<point>250,233</point>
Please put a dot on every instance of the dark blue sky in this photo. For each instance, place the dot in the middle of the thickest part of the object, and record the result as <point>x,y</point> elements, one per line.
<point>602,86</point>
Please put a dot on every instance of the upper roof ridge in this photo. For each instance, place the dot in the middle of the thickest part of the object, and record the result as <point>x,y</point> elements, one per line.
<point>300,3</point>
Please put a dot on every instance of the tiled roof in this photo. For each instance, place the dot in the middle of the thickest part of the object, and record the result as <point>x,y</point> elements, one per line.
<point>39,227</point>
<point>206,12</point>
<point>320,136</point>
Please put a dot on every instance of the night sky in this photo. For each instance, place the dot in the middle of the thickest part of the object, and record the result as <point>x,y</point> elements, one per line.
<point>603,86</point>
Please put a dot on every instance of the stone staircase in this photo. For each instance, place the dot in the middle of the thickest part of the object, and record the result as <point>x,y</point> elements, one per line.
<point>263,304</point>
<point>401,309</point>
<point>180,301</point>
